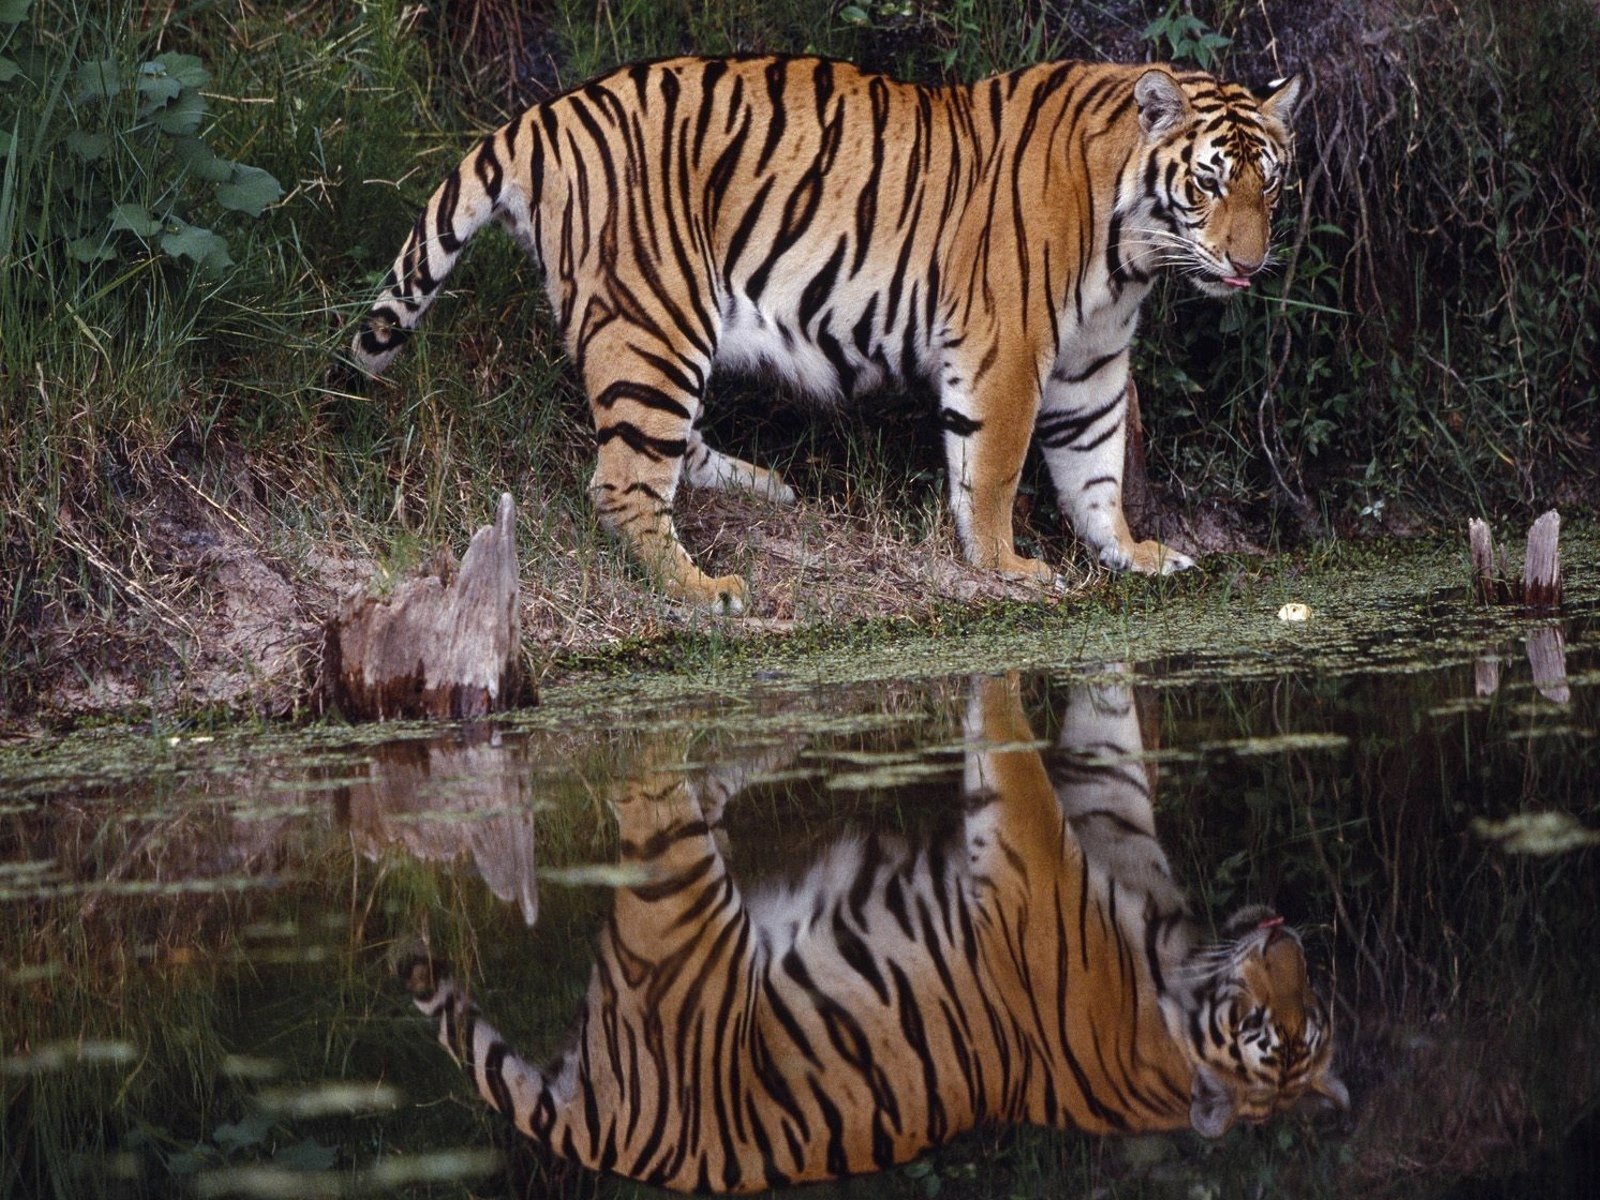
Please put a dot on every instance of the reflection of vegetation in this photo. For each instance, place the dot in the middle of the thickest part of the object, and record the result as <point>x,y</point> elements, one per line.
<point>1466,975</point>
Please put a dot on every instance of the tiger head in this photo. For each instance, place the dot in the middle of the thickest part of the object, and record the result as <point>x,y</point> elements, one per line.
<point>1213,171</point>
<point>1260,1039</point>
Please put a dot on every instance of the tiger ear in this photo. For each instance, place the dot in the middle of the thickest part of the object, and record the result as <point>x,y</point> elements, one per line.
<point>1284,98</point>
<point>1161,101</point>
<point>1212,1108</point>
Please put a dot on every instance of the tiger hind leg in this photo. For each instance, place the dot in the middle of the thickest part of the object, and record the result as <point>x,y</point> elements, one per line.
<point>715,471</point>
<point>644,404</point>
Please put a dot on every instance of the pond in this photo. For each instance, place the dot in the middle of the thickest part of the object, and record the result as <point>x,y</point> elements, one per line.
<point>793,920</point>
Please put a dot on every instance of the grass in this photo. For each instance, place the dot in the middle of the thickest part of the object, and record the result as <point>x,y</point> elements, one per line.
<point>185,486</point>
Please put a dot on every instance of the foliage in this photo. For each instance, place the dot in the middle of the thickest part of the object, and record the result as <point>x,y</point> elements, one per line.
<point>121,148</point>
<point>1186,36</point>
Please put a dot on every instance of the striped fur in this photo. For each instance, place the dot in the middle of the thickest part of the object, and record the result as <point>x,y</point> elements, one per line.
<point>845,230</point>
<point>1037,964</point>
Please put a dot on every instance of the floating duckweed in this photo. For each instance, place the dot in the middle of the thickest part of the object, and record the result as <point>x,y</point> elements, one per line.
<point>892,775</point>
<point>56,1056</point>
<point>331,1098</point>
<point>1541,833</point>
<point>144,887</point>
<point>388,1174</point>
<point>245,1066</point>
<point>610,875</point>
<point>1283,743</point>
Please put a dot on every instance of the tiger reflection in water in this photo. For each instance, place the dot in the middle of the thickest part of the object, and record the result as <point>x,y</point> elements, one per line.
<point>1036,965</point>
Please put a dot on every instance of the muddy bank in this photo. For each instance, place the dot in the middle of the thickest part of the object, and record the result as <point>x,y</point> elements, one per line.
<point>214,599</point>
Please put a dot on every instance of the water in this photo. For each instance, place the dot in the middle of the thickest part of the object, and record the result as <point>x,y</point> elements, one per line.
<point>201,931</point>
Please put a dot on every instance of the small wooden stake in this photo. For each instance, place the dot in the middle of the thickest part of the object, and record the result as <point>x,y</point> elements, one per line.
<point>1541,570</point>
<point>1485,580</point>
<point>1138,506</point>
<point>443,645</point>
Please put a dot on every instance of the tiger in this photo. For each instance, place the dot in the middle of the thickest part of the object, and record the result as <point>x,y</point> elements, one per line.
<point>1035,963</point>
<point>843,230</point>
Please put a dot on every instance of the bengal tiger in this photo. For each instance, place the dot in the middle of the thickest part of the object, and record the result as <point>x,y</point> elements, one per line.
<point>845,230</point>
<point>1036,964</point>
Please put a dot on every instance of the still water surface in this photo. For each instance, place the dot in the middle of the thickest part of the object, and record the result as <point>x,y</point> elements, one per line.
<point>906,882</point>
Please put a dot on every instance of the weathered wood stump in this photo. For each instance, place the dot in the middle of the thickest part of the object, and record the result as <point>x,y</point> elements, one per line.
<point>1540,585</point>
<point>1138,505</point>
<point>442,645</point>
<point>1541,571</point>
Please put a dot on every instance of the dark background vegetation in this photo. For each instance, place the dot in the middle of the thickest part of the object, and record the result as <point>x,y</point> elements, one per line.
<point>1426,351</point>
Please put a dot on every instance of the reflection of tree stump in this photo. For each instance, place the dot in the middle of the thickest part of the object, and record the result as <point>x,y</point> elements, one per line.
<point>443,645</point>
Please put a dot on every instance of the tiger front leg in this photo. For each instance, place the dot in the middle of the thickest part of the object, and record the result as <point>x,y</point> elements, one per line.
<point>986,440</point>
<point>1082,430</point>
<point>643,417</point>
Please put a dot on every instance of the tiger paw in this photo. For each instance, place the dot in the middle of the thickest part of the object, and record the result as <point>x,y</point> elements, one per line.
<point>1145,558</point>
<point>1014,568</point>
<point>728,595</point>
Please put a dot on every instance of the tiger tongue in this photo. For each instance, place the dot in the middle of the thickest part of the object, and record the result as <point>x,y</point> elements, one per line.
<point>1237,281</point>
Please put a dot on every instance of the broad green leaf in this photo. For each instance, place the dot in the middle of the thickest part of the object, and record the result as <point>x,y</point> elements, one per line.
<point>249,191</point>
<point>99,80</point>
<point>156,90</point>
<point>200,246</point>
<point>251,1130</point>
<point>90,249</point>
<point>200,160</point>
<point>306,1155</point>
<point>7,140</point>
<point>8,69</point>
<point>14,12</point>
<point>183,115</point>
<point>88,146</point>
<point>185,68</point>
<point>135,218</point>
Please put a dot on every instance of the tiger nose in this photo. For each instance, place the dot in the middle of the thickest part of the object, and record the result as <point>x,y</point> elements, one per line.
<point>1246,262</point>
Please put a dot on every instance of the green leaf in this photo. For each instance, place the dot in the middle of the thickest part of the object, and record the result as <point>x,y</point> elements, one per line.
<point>90,249</point>
<point>88,146</point>
<point>200,160</point>
<point>8,69</point>
<point>7,140</point>
<point>249,191</point>
<point>99,80</point>
<point>157,89</point>
<point>183,115</point>
<point>185,68</point>
<point>852,14</point>
<point>14,12</point>
<point>200,246</point>
<point>306,1155</point>
<point>136,219</point>
<point>252,1130</point>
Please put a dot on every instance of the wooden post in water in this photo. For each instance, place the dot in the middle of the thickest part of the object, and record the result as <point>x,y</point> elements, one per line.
<point>442,645</point>
<point>1485,579</point>
<point>1540,586</point>
<point>1541,570</point>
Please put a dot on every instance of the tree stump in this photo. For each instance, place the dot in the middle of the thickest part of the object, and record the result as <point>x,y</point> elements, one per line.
<point>1138,505</point>
<point>1540,586</point>
<point>1541,570</point>
<point>442,645</point>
